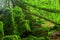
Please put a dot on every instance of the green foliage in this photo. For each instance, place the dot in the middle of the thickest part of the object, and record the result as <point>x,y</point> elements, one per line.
<point>1,30</point>
<point>34,38</point>
<point>39,32</point>
<point>19,20</point>
<point>11,37</point>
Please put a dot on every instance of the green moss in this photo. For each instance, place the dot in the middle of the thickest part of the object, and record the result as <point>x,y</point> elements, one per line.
<point>19,18</point>
<point>12,37</point>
